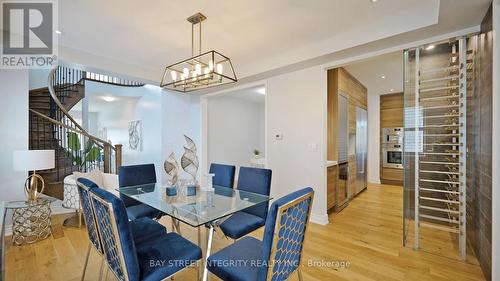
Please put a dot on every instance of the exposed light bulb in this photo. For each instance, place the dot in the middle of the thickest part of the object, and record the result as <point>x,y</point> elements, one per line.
<point>211,65</point>
<point>197,68</point>
<point>185,73</point>
<point>220,68</point>
<point>173,73</point>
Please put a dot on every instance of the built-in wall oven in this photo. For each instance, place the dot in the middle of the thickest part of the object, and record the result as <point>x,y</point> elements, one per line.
<point>392,155</point>
<point>392,147</point>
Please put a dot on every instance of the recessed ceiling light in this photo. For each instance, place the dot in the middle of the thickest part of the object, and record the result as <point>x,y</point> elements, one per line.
<point>261,91</point>
<point>382,77</point>
<point>58,32</point>
<point>392,90</point>
<point>430,47</point>
<point>108,99</point>
<point>373,1</point>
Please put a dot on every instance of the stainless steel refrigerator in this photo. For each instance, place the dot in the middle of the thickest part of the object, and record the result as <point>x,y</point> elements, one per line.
<point>361,148</point>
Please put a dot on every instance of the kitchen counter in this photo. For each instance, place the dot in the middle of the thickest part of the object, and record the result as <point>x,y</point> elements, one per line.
<point>330,163</point>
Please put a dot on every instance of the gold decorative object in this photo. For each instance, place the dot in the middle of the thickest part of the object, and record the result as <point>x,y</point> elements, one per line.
<point>189,160</point>
<point>31,186</point>
<point>30,221</point>
<point>172,168</point>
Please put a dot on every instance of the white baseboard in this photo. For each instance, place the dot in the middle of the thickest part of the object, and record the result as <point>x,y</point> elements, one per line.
<point>319,219</point>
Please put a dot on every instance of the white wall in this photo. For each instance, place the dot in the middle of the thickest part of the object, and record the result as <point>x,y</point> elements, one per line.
<point>296,108</point>
<point>38,78</point>
<point>235,128</point>
<point>496,144</point>
<point>180,116</point>
<point>14,90</point>
<point>148,109</point>
<point>373,137</point>
<point>166,116</point>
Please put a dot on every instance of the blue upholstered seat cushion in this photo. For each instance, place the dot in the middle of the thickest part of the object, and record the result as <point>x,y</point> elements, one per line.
<point>237,262</point>
<point>240,224</point>
<point>165,255</point>
<point>144,229</point>
<point>141,211</point>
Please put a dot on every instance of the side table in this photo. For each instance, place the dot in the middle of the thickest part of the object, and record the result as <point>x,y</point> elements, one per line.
<point>30,220</point>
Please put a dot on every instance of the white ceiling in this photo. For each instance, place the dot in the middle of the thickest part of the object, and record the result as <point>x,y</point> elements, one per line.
<point>369,73</point>
<point>140,38</point>
<point>98,104</point>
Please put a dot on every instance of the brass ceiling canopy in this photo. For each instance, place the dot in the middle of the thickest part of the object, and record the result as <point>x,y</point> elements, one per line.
<point>201,71</point>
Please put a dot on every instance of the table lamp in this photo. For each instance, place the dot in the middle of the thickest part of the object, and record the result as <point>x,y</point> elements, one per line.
<point>33,160</point>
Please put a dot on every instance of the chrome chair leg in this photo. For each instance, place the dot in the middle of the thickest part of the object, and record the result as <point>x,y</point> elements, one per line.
<point>299,272</point>
<point>86,262</point>
<point>209,246</point>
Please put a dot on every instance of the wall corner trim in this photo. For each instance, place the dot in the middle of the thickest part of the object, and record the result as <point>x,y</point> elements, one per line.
<point>319,219</point>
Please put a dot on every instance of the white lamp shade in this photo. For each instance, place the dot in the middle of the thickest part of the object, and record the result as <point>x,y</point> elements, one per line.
<point>31,160</point>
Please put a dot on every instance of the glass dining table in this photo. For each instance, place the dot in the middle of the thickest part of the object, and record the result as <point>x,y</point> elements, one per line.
<point>208,207</point>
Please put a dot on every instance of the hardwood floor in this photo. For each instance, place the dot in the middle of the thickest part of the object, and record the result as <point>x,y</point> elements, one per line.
<point>362,242</point>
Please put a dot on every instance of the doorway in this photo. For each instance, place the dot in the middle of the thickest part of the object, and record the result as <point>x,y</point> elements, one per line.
<point>235,125</point>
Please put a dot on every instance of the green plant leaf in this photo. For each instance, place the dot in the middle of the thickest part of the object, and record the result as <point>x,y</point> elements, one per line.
<point>73,141</point>
<point>92,155</point>
<point>88,146</point>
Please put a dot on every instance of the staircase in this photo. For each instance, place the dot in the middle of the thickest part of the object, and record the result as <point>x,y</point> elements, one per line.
<point>52,127</point>
<point>44,134</point>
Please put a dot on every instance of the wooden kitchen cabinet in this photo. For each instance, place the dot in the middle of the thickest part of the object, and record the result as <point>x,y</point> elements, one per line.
<point>352,188</point>
<point>332,185</point>
<point>342,178</point>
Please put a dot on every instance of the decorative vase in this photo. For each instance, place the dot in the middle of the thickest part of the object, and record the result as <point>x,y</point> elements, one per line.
<point>172,168</point>
<point>189,160</point>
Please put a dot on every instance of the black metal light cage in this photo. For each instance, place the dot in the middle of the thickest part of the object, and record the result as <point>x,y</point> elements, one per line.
<point>199,72</point>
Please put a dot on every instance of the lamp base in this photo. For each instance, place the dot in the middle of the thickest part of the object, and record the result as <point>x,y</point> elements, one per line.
<point>31,186</point>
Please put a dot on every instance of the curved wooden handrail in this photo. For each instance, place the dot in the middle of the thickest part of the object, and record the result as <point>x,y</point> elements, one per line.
<point>79,131</point>
<point>66,113</point>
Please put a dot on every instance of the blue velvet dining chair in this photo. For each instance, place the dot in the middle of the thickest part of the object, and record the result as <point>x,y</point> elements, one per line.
<point>156,258</point>
<point>137,175</point>
<point>142,229</point>
<point>84,186</point>
<point>279,254</point>
<point>224,174</point>
<point>241,223</point>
